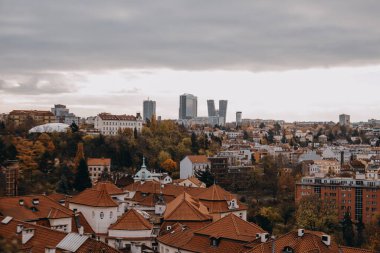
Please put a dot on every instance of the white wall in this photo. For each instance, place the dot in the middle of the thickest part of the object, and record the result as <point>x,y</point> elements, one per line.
<point>92,215</point>
<point>61,222</point>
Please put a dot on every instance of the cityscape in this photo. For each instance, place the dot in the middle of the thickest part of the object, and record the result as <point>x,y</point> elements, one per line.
<point>189,127</point>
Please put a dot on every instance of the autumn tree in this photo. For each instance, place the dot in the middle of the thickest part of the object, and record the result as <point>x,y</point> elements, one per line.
<point>82,178</point>
<point>312,214</point>
<point>79,155</point>
<point>169,165</point>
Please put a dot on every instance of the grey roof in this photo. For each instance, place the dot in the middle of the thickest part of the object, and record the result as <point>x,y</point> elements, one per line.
<point>72,242</point>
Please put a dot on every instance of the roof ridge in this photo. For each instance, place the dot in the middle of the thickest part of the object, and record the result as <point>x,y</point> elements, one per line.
<point>235,224</point>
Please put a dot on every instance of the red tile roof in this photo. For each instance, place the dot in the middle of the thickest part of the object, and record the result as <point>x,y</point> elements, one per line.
<point>94,197</point>
<point>99,162</point>
<point>131,220</point>
<point>110,188</point>
<point>198,158</point>
<point>215,192</point>
<point>44,237</point>
<point>186,208</point>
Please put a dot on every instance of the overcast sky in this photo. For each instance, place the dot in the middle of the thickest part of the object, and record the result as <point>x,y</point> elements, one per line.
<point>291,60</point>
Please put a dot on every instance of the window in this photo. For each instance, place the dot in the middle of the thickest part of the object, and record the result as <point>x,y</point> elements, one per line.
<point>101,215</point>
<point>111,215</point>
<point>287,249</point>
<point>93,214</point>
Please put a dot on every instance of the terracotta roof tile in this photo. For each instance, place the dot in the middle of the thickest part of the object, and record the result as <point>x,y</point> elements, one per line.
<point>198,158</point>
<point>98,162</point>
<point>110,188</point>
<point>131,220</point>
<point>186,207</point>
<point>94,197</point>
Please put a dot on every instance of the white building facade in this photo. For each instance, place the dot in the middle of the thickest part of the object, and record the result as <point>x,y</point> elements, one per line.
<point>109,124</point>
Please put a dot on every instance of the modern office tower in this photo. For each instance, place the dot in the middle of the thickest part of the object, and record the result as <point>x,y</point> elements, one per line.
<point>223,110</point>
<point>344,120</point>
<point>211,108</point>
<point>149,109</point>
<point>238,119</point>
<point>63,115</point>
<point>188,106</point>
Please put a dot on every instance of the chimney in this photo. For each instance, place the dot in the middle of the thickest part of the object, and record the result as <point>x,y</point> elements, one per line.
<point>81,230</point>
<point>21,202</point>
<point>301,232</point>
<point>326,239</point>
<point>49,249</point>
<point>19,228</point>
<point>264,237</point>
<point>27,234</point>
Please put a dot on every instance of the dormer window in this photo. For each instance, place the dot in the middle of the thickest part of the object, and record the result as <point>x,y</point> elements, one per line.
<point>214,242</point>
<point>288,249</point>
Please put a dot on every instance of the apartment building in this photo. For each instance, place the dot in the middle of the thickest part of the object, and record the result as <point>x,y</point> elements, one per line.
<point>109,124</point>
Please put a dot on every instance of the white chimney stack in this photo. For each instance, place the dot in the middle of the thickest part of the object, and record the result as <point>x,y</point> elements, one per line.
<point>19,228</point>
<point>301,232</point>
<point>264,237</point>
<point>81,230</point>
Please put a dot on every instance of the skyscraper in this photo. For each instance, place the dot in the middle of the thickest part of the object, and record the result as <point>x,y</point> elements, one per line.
<point>149,109</point>
<point>223,110</point>
<point>188,106</point>
<point>211,108</point>
<point>238,119</point>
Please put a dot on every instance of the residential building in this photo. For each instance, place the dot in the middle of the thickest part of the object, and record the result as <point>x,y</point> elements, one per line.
<point>186,210</point>
<point>359,196</point>
<point>228,234</point>
<point>190,182</point>
<point>188,106</point>
<point>98,207</point>
<point>63,115</point>
<point>190,164</point>
<point>324,167</point>
<point>98,166</point>
<point>36,238</point>
<point>18,117</point>
<point>149,109</point>
<point>130,232</point>
<point>109,124</point>
<point>44,211</point>
<point>145,175</point>
<point>300,240</point>
<point>344,120</point>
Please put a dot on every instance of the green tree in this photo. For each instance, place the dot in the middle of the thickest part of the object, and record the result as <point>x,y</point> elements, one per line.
<point>194,144</point>
<point>74,127</point>
<point>348,230</point>
<point>262,125</point>
<point>359,229</point>
<point>205,176</point>
<point>82,178</point>
<point>9,245</point>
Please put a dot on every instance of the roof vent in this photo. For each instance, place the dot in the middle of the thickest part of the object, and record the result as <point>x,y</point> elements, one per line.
<point>35,202</point>
<point>21,202</point>
<point>301,232</point>
<point>326,239</point>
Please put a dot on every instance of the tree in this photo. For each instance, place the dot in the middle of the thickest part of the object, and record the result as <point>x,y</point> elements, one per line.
<point>169,165</point>
<point>359,229</point>
<point>79,155</point>
<point>82,178</point>
<point>245,135</point>
<point>135,135</point>
<point>348,230</point>
<point>205,176</point>
<point>194,144</point>
<point>262,125</point>
<point>9,245</point>
<point>74,127</point>
<point>312,214</point>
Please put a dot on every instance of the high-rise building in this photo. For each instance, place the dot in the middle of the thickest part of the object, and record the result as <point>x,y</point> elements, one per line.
<point>149,109</point>
<point>211,108</point>
<point>188,106</point>
<point>238,119</point>
<point>344,120</point>
<point>63,115</point>
<point>223,110</point>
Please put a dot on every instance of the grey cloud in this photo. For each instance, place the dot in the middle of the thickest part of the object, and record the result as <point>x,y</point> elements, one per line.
<point>93,35</point>
<point>35,84</point>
